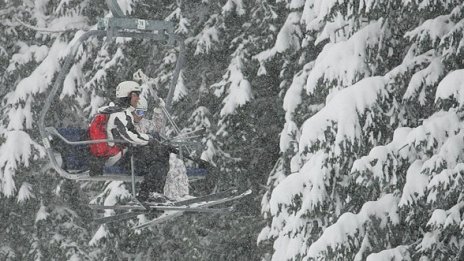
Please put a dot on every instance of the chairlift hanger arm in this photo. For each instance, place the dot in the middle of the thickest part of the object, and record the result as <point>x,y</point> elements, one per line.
<point>115,8</point>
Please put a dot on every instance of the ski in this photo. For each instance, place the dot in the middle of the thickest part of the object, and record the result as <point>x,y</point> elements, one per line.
<point>173,214</point>
<point>154,208</point>
<point>158,220</point>
<point>197,204</point>
<point>118,177</point>
<point>118,217</point>
<point>137,205</point>
<point>214,196</point>
<point>128,215</point>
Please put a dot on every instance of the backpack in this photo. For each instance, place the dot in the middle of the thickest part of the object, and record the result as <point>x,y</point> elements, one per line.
<point>97,131</point>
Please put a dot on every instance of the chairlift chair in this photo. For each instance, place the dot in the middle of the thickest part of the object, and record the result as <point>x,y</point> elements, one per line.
<point>117,26</point>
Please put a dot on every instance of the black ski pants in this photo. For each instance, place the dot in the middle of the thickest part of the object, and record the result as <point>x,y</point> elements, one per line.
<point>152,162</point>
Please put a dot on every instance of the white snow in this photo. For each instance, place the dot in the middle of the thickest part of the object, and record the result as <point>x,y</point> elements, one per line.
<point>105,62</point>
<point>377,163</point>
<point>395,254</point>
<point>126,5</point>
<point>382,162</point>
<point>39,10</point>
<point>315,11</point>
<point>452,86</point>
<point>449,155</point>
<point>18,148</point>
<point>25,192</point>
<point>342,111</point>
<point>432,29</point>
<point>336,30</point>
<point>295,4</point>
<point>285,191</point>
<point>263,235</point>
<point>290,134</point>
<point>351,225</point>
<point>115,191</point>
<point>102,232</point>
<point>429,240</point>
<point>364,247</point>
<point>295,163</point>
<point>442,219</point>
<point>239,91</point>
<point>433,132</point>
<point>42,213</point>
<point>450,40</point>
<point>206,39</point>
<point>344,63</point>
<point>415,186</point>
<point>307,186</point>
<point>315,174</point>
<point>288,38</point>
<point>180,90</point>
<point>275,177</point>
<point>454,216</point>
<point>292,98</point>
<point>209,152</point>
<point>310,15</point>
<point>27,54</point>
<point>74,78</point>
<point>438,219</point>
<point>234,5</point>
<point>40,79</point>
<point>446,180</point>
<point>426,78</point>
<point>410,62</point>
<point>287,246</point>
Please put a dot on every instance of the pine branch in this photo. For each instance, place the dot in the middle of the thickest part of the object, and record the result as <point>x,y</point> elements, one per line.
<point>46,30</point>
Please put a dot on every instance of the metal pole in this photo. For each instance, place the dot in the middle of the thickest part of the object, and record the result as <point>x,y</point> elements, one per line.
<point>133,175</point>
<point>175,76</point>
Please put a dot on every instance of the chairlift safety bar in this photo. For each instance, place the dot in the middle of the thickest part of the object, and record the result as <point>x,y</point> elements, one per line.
<point>55,132</point>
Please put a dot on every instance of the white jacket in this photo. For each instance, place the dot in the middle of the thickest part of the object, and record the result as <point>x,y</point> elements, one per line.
<point>121,127</point>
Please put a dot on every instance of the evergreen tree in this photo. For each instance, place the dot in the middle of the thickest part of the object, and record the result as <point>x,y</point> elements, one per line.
<point>364,183</point>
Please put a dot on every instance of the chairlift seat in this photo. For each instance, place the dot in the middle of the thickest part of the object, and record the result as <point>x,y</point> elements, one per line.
<point>76,158</point>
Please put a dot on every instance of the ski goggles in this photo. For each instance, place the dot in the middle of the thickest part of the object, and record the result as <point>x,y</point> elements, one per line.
<point>140,113</point>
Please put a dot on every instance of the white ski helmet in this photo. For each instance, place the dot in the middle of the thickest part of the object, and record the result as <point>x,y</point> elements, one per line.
<point>125,88</point>
<point>142,104</point>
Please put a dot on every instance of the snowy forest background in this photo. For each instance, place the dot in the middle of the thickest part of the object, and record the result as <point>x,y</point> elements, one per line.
<point>343,116</point>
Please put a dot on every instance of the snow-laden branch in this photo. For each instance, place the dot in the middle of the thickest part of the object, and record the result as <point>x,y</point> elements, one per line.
<point>46,30</point>
<point>350,226</point>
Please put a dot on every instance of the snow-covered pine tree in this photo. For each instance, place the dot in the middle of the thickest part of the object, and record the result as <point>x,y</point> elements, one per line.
<point>41,215</point>
<point>361,188</point>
